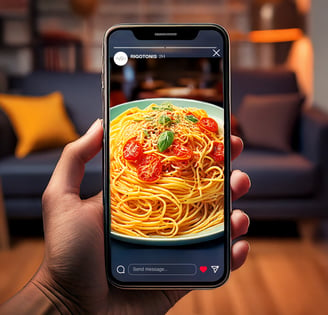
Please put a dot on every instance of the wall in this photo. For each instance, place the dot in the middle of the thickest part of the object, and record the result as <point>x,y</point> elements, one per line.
<point>318,29</point>
<point>57,15</point>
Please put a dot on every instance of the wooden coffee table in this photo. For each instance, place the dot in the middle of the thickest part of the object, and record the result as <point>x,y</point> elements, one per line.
<point>4,232</point>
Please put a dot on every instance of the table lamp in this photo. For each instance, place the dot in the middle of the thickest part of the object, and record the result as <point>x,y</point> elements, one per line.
<point>272,22</point>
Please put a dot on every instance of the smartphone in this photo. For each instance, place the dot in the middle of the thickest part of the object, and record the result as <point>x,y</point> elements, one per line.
<point>166,155</point>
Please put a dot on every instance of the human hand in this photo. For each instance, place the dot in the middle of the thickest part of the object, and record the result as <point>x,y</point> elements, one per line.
<point>72,275</point>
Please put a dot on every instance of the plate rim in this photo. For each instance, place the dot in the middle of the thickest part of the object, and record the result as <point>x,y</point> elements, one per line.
<point>214,232</point>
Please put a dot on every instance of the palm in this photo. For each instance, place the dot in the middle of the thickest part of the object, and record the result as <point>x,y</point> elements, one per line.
<point>84,273</point>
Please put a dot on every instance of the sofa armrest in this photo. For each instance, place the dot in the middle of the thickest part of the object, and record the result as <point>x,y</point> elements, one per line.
<point>314,135</point>
<point>314,146</point>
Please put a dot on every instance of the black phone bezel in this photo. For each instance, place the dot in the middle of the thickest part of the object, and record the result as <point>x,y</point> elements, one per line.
<point>147,32</point>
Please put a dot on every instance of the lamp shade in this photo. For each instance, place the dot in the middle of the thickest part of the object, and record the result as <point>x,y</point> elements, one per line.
<point>275,14</point>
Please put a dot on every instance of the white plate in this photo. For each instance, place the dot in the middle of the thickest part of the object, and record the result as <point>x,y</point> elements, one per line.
<point>213,111</point>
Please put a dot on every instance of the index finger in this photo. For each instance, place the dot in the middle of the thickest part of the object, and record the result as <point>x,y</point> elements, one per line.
<point>68,174</point>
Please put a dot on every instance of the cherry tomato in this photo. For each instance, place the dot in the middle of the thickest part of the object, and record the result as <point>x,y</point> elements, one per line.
<point>208,124</point>
<point>132,150</point>
<point>217,152</point>
<point>149,168</point>
<point>182,152</point>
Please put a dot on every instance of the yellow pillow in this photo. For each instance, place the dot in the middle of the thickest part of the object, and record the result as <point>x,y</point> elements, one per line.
<point>40,122</point>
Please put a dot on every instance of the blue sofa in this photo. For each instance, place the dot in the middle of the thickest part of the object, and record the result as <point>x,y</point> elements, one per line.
<point>284,185</point>
<point>24,180</point>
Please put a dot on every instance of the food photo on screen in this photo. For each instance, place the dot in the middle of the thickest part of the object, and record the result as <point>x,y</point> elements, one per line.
<point>166,171</point>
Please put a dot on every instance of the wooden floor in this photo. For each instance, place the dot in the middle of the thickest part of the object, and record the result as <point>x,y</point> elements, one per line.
<point>279,277</point>
<point>282,276</point>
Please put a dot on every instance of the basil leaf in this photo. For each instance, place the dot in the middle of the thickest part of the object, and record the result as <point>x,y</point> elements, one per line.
<point>176,119</point>
<point>165,120</point>
<point>166,106</point>
<point>146,133</point>
<point>192,118</point>
<point>165,140</point>
<point>163,106</point>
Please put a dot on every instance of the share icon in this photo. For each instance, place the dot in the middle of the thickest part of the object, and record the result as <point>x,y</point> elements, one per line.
<point>215,268</point>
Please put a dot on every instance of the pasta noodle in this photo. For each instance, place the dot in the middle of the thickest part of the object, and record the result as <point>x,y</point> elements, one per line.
<point>166,171</point>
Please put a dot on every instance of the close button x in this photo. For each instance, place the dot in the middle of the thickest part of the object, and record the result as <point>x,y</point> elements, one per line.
<point>216,52</point>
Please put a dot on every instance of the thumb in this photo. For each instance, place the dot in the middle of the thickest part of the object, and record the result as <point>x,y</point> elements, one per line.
<point>69,171</point>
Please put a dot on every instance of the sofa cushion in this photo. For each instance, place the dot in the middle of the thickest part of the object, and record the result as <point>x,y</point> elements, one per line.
<point>29,177</point>
<point>268,121</point>
<point>259,82</point>
<point>278,174</point>
<point>40,122</point>
<point>81,91</point>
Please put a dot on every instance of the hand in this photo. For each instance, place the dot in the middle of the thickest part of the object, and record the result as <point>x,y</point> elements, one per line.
<point>72,275</point>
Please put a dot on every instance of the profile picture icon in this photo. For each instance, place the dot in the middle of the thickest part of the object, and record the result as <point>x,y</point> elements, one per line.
<point>120,58</point>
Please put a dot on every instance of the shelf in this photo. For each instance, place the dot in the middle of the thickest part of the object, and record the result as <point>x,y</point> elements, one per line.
<point>14,15</point>
<point>58,15</point>
<point>14,46</point>
<point>168,10</point>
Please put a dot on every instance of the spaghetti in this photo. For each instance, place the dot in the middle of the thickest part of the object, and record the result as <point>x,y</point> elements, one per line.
<point>166,171</point>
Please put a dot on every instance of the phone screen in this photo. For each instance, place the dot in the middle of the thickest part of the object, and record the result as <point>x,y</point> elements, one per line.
<point>167,156</point>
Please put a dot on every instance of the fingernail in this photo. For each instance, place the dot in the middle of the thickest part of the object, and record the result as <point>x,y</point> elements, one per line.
<point>249,179</point>
<point>249,220</point>
<point>94,126</point>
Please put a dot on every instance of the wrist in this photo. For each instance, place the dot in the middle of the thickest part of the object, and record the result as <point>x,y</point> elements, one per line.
<point>30,300</point>
<point>60,299</point>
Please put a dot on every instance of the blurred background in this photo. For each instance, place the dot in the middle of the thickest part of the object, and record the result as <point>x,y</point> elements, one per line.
<point>67,35</point>
<point>279,71</point>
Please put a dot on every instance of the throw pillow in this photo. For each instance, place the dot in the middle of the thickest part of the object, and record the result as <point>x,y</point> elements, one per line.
<point>40,122</point>
<point>267,121</point>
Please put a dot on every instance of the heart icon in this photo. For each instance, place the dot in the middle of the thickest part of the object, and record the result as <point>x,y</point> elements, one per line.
<point>202,268</point>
